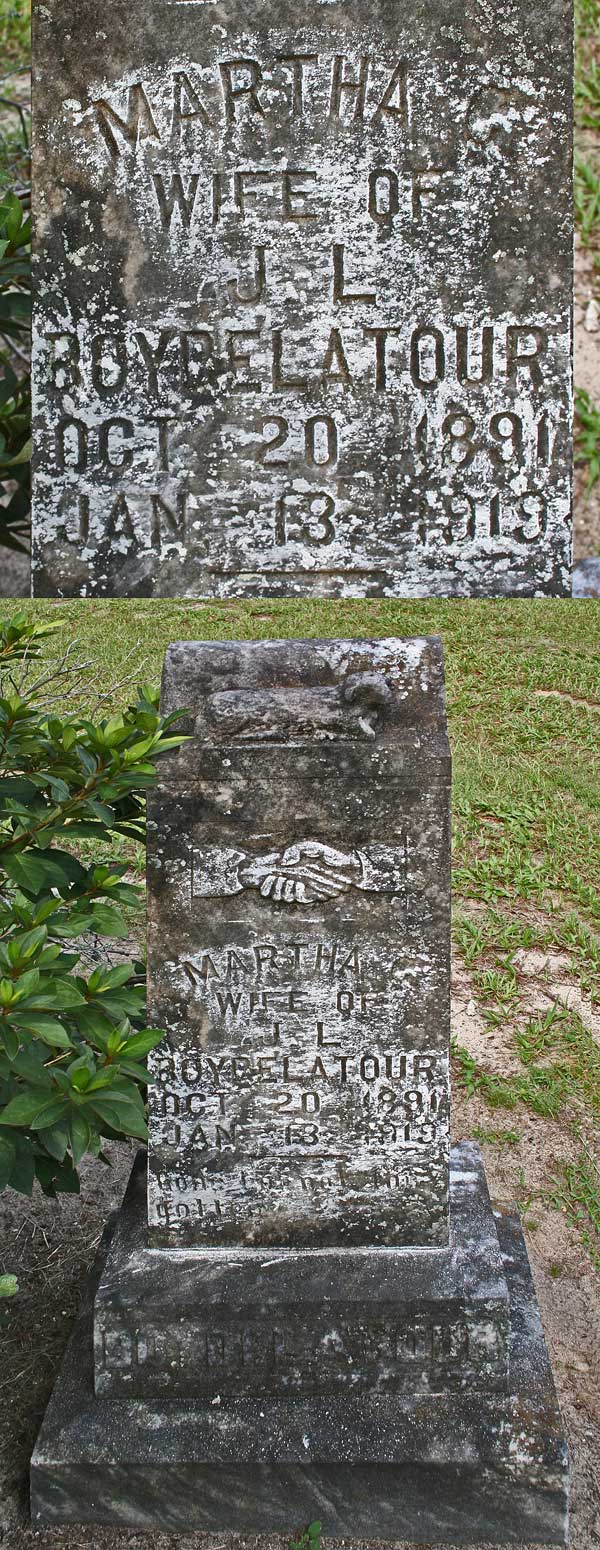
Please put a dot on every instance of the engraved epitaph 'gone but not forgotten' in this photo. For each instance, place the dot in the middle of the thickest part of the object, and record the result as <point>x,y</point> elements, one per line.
<point>299,947</point>
<point>312,1310</point>
<point>303,298</point>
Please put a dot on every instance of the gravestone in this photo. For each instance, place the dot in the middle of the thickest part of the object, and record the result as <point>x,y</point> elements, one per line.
<point>305,931</point>
<point>303,292</point>
<point>314,1309</point>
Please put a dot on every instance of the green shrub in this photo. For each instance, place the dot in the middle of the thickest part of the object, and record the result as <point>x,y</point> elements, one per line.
<point>9,1287</point>
<point>309,1538</point>
<point>15,384</point>
<point>72,1043</point>
<point>15,31</point>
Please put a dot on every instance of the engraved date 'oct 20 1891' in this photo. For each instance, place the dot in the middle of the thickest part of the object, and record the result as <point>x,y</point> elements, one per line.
<point>241,1103</point>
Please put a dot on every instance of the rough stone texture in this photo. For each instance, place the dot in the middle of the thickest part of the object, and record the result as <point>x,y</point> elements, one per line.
<point>303,298</point>
<point>299,925</point>
<point>586,578</point>
<point>266,1346</point>
<point>190,1323</point>
<point>457,1468</point>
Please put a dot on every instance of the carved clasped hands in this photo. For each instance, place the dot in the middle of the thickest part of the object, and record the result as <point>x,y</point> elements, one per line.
<point>302,873</point>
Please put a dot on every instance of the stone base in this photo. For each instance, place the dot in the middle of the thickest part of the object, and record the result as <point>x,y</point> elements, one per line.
<point>456,1466</point>
<point>178,1323</point>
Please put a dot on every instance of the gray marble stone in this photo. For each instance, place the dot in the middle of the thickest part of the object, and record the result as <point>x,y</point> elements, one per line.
<point>303,283</point>
<point>318,1314</point>
<point>586,578</point>
<point>453,1467</point>
<point>299,947</point>
<point>186,1324</point>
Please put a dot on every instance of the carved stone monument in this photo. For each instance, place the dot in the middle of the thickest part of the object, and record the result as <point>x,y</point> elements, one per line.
<point>303,295</point>
<point>318,1313</point>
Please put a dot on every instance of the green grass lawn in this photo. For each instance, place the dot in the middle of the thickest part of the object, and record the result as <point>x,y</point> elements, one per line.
<point>523,685</point>
<point>524,703</point>
<point>587,113</point>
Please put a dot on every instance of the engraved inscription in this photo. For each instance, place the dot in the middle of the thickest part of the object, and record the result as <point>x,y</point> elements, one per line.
<point>296,1071</point>
<point>327,370</point>
<point>412,1340</point>
<point>299,950</point>
<point>302,1356</point>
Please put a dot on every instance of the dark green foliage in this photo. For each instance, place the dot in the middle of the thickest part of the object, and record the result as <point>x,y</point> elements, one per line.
<point>15,386</point>
<point>308,1539</point>
<point>72,1043</point>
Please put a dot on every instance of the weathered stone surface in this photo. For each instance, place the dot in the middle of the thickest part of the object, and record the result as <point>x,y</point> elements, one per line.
<point>271,1348</point>
<point>456,1467</point>
<point>303,298</point>
<point>186,1324</point>
<point>586,578</point>
<point>299,921</point>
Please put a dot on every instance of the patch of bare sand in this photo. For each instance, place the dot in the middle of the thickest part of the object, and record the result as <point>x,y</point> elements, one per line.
<point>548,981</point>
<point>568,1287</point>
<point>493,1047</point>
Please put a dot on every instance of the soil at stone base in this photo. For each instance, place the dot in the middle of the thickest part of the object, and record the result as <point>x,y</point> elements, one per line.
<point>52,1245</point>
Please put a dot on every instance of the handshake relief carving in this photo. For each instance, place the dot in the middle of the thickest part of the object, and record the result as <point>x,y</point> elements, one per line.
<point>302,873</point>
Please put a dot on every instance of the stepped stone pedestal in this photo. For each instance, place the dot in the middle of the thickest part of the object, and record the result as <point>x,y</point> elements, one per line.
<point>393,1398</point>
<point>314,1311</point>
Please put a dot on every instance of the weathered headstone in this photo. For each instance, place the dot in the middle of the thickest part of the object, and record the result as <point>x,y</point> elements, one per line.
<point>299,949</point>
<point>303,298</point>
<point>319,1313</point>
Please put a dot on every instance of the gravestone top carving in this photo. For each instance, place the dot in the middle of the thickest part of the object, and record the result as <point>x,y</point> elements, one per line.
<point>313,689</point>
<point>299,947</point>
<point>303,298</point>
